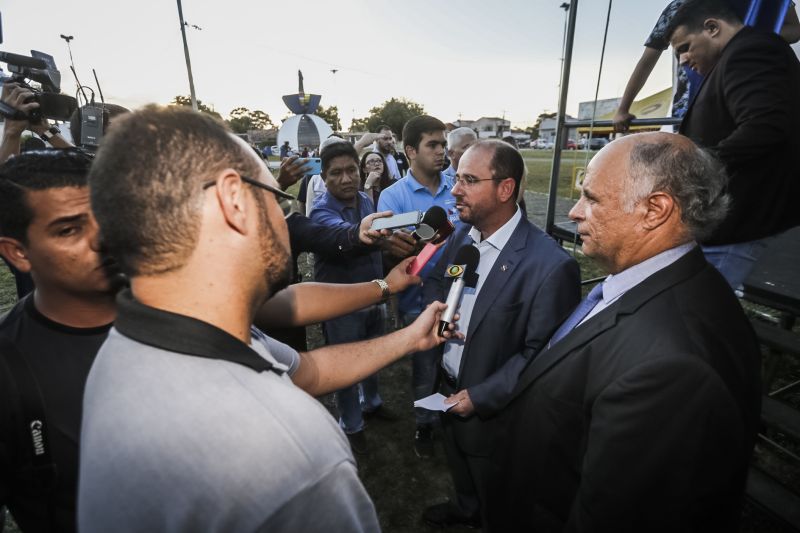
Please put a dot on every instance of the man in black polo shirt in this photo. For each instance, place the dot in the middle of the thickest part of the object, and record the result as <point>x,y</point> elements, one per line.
<point>187,421</point>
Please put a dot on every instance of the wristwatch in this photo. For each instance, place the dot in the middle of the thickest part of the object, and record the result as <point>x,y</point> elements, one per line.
<point>49,133</point>
<point>385,292</point>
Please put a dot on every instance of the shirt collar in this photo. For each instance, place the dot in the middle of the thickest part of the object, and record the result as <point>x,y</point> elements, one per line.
<point>334,202</point>
<point>412,182</point>
<point>499,238</point>
<point>618,284</point>
<point>182,334</point>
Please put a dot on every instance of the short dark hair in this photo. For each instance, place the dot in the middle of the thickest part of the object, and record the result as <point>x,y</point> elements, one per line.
<point>146,184</point>
<point>334,150</point>
<point>36,170</point>
<point>692,14</point>
<point>383,127</point>
<point>506,161</point>
<point>417,126</point>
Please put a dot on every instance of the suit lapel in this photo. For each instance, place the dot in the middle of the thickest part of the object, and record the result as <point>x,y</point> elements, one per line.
<point>501,272</point>
<point>685,267</point>
<point>577,338</point>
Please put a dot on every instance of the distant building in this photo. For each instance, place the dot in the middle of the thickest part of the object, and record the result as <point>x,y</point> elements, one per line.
<point>547,129</point>
<point>486,127</point>
<point>263,136</point>
<point>656,105</point>
<point>604,107</point>
<point>353,136</point>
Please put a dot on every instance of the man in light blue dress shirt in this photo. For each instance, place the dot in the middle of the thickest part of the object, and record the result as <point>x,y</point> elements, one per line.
<point>423,186</point>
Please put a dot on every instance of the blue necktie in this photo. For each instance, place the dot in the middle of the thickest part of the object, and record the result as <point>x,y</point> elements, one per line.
<point>580,312</point>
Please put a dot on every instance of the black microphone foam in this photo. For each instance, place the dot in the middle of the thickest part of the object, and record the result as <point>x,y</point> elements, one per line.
<point>469,256</point>
<point>433,219</point>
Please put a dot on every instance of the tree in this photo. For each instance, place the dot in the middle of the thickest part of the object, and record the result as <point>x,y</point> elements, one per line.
<point>331,116</point>
<point>395,113</point>
<point>203,108</point>
<point>358,124</point>
<point>534,131</point>
<point>243,120</point>
<point>261,120</point>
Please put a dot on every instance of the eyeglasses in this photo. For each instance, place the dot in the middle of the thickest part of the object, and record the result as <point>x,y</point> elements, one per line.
<point>373,162</point>
<point>469,181</point>
<point>255,183</point>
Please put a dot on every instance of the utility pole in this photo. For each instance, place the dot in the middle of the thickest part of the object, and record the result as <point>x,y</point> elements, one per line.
<point>565,7</point>
<point>186,53</point>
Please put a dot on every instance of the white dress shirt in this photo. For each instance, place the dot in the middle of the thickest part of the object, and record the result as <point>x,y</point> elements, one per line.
<point>489,249</point>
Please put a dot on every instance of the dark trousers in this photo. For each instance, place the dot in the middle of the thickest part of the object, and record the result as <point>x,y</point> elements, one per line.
<point>469,472</point>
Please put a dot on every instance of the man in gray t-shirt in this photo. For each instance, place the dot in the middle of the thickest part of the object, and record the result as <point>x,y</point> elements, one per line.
<point>191,423</point>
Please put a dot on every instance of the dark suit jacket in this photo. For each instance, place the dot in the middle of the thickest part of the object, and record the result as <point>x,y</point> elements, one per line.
<point>747,112</point>
<point>643,418</point>
<point>516,311</point>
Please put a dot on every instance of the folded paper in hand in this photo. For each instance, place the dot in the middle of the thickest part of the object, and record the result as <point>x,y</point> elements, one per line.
<point>435,402</point>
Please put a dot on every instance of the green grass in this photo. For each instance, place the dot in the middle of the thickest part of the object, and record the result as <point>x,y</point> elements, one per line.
<point>8,289</point>
<point>540,164</point>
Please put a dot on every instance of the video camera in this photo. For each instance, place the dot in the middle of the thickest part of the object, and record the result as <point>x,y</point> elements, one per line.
<point>39,68</point>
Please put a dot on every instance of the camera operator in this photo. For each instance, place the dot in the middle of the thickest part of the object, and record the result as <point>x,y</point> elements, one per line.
<point>19,97</point>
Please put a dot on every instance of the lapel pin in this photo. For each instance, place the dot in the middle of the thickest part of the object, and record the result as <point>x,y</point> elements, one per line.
<point>504,268</point>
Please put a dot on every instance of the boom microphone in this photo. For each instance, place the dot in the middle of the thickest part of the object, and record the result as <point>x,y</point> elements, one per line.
<point>463,273</point>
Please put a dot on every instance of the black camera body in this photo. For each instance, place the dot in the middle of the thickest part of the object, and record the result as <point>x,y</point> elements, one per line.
<point>41,68</point>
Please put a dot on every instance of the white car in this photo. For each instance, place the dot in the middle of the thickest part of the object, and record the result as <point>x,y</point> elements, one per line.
<point>542,144</point>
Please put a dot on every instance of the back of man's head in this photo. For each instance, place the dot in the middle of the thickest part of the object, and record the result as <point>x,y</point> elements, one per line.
<point>147,184</point>
<point>35,171</point>
<point>334,150</point>
<point>417,126</point>
<point>693,13</point>
<point>675,165</point>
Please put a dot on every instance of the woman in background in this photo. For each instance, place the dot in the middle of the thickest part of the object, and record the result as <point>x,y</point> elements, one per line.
<point>374,175</point>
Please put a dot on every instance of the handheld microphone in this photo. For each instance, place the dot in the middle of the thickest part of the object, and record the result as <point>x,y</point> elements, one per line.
<point>431,221</point>
<point>463,273</point>
<point>441,227</point>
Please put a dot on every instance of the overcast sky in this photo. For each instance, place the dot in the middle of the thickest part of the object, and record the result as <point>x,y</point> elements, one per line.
<point>467,58</point>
